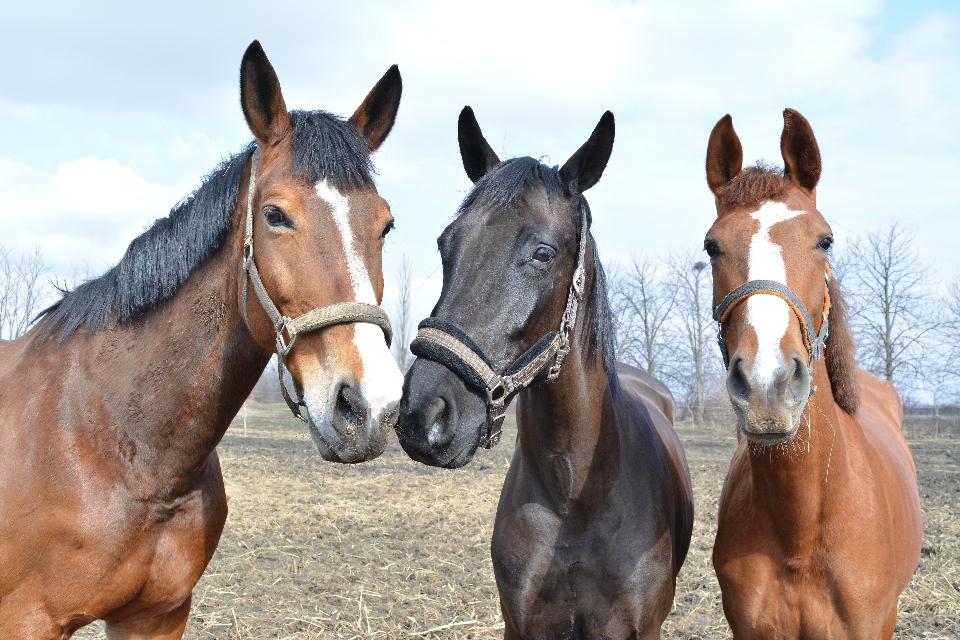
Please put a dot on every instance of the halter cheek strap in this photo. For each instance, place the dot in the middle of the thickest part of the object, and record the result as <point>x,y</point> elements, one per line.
<point>815,343</point>
<point>446,344</point>
<point>287,329</point>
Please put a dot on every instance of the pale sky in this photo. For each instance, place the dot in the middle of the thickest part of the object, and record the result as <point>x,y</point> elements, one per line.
<point>111,112</point>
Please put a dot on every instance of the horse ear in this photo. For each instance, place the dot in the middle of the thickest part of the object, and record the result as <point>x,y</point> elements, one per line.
<point>724,154</point>
<point>477,154</point>
<point>801,155</point>
<point>260,97</point>
<point>378,111</point>
<point>584,168</point>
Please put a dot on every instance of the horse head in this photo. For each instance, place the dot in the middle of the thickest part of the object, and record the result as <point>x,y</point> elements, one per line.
<point>509,261</point>
<point>769,247</point>
<point>316,233</point>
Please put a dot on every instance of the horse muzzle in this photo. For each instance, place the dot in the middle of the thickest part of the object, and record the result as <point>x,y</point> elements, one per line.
<point>441,422</point>
<point>345,426</point>
<point>768,410</point>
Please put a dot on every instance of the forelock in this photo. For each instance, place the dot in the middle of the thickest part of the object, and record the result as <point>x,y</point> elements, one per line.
<point>507,183</point>
<point>753,186</point>
<point>325,146</point>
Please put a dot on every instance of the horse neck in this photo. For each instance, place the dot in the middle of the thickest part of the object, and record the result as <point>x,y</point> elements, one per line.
<point>798,482</point>
<point>191,364</point>
<point>567,432</point>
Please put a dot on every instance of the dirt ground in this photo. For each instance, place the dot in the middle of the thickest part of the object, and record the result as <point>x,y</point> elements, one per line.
<point>395,549</point>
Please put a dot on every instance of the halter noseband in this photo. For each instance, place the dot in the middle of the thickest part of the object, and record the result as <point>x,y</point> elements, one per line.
<point>815,343</point>
<point>446,344</point>
<point>288,329</point>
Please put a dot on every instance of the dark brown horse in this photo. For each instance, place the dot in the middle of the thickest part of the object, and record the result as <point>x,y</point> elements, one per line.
<point>596,512</point>
<point>111,498</point>
<point>819,527</point>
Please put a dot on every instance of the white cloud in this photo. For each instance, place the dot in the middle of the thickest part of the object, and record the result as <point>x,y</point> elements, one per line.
<point>84,214</point>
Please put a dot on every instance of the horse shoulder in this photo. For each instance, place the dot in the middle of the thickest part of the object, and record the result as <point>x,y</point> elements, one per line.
<point>885,453</point>
<point>656,398</point>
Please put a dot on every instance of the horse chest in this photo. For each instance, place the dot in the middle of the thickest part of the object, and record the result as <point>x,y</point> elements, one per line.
<point>560,577</point>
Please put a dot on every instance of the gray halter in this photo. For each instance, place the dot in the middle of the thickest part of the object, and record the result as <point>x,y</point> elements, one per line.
<point>814,343</point>
<point>288,329</point>
<point>447,344</point>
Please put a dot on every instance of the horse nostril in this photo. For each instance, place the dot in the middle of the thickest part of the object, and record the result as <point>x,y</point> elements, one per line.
<point>737,384</point>
<point>350,407</point>
<point>799,380</point>
<point>434,415</point>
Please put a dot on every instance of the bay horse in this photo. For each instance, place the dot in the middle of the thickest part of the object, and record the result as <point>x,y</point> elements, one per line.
<point>111,496</point>
<point>595,516</point>
<point>819,527</point>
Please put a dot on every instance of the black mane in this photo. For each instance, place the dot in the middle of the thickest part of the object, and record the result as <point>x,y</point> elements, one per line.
<point>504,186</point>
<point>158,261</point>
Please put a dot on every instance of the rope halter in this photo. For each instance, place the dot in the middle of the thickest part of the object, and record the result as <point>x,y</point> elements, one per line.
<point>814,343</point>
<point>447,344</point>
<point>286,328</point>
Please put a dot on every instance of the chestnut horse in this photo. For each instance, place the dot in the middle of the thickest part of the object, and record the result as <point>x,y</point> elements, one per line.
<point>111,497</point>
<point>819,527</point>
<point>596,513</point>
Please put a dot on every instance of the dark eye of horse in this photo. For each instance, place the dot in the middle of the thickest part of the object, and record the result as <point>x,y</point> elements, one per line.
<point>712,249</point>
<point>543,254</point>
<point>275,217</point>
<point>825,244</point>
<point>387,229</point>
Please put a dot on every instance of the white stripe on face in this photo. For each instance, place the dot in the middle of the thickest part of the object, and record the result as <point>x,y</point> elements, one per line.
<point>768,315</point>
<point>382,381</point>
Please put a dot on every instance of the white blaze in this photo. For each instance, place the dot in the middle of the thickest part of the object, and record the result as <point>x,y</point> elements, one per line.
<point>382,382</point>
<point>768,315</point>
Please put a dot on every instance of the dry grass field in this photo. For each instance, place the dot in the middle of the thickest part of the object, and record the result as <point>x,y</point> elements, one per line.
<point>395,549</point>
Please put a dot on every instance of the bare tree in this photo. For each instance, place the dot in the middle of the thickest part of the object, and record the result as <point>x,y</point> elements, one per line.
<point>21,290</point>
<point>404,325</point>
<point>642,299</point>
<point>892,301</point>
<point>693,324</point>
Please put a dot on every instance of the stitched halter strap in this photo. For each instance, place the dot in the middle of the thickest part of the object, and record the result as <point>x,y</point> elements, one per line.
<point>814,343</point>
<point>287,329</point>
<point>447,344</point>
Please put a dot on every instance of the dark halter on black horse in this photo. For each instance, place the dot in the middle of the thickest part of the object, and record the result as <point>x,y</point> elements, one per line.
<point>337,313</point>
<point>446,344</point>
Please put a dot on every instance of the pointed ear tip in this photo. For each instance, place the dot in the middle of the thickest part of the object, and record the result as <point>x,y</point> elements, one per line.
<point>467,117</point>
<point>254,48</point>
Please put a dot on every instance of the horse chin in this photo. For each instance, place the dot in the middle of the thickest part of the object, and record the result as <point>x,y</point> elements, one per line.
<point>768,432</point>
<point>460,458</point>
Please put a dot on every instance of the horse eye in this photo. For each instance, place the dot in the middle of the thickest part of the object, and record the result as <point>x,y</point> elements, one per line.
<point>825,244</point>
<point>275,217</point>
<point>712,249</point>
<point>543,254</point>
<point>387,229</point>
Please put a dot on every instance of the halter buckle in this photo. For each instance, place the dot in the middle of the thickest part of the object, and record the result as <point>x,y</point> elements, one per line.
<point>284,345</point>
<point>495,398</point>
<point>562,351</point>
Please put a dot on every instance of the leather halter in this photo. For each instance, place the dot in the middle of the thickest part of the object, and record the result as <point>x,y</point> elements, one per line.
<point>815,343</point>
<point>447,344</point>
<point>288,329</point>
